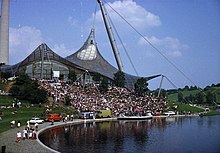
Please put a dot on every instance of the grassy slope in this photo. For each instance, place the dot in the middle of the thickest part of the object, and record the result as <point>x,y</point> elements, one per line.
<point>184,107</point>
<point>216,90</point>
<point>174,97</point>
<point>23,114</point>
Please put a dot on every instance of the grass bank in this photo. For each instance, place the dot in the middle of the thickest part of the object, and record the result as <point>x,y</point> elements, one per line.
<point>22,114</point>
<point>9,113</point>
<point>180,107</point>
<point>211,113</point>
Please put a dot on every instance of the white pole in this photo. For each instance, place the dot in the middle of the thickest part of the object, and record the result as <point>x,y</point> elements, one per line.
<point>4,32</point>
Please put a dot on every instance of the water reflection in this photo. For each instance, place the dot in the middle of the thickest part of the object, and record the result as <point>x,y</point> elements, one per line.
<point>183,134</point>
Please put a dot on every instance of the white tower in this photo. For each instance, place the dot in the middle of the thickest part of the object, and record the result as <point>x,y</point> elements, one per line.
<point>4,32</point>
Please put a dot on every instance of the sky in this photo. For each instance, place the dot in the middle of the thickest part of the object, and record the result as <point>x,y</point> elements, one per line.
<point>185,35</point>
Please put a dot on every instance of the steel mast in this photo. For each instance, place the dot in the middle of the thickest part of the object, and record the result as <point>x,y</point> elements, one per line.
<point>4,32</point>
<point>111,37</point>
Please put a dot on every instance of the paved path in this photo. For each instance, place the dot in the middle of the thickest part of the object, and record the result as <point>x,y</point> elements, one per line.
<point>8,139</point>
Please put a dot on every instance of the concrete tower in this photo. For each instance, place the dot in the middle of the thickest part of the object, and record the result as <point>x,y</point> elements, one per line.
<point>4,32</point>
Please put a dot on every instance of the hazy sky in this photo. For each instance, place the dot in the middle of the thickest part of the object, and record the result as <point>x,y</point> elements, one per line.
<point>185,31</point>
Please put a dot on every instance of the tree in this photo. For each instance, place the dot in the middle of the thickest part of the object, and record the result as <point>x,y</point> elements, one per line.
<point>104,85</point>
<point>96,77</point>
<point>22,79</point>
<point>61,77</point>
<point>140,87</point>
<point>5,75</point>
<point>163,93</point>
<point>217,85</point>
<point>180,96</point>
<point>186,88</point>
<point>199,98</point>
<point>27,89</point>
<point>191,98</point>
<point>210,97</point>
<point>37,96</point>
<point>72,76</point>
<point>119,79</point>
<point>15,90</point>
<point>193,88</point>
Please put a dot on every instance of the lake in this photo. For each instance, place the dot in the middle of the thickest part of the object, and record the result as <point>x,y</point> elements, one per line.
<point>158,135</point>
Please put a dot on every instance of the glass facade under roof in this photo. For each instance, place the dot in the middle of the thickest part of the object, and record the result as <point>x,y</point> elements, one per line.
<point>89,53</point>
<point>34,70</point>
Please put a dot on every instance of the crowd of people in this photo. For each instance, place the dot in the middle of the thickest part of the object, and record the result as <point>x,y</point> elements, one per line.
<point>88,98</point>
<point>29,132</point>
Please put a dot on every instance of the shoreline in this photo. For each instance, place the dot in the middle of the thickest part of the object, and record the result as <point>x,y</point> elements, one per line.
<point>8,138</point>
<point>57,124</point>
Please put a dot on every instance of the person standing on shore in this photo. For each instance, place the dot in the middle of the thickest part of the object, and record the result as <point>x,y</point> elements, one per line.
<point>12,124</point>
<point>18,124</point>
<point>18,136</point>
<point>28,125</point>
<point>52,122</point>
<point>36,126</point>
<point>24,134</point>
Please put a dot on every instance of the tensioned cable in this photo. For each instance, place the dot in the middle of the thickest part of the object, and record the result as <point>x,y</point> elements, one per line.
<point>153,46</point>
<point>170,82</point>
<point>175,87</point>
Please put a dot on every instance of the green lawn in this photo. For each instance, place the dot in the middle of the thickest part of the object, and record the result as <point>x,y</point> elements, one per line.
<point>6,100</point>
<point>22,114</point>
<point>212,113</point>
<point>188,108</point>
<point>184,107</point>
<point>174,96</point>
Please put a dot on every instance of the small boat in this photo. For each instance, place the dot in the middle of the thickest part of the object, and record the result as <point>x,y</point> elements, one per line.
<point>123,117</point>
<point>169,113</point>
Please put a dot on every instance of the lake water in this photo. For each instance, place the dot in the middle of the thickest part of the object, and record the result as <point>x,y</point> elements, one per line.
<point>159,135</point>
